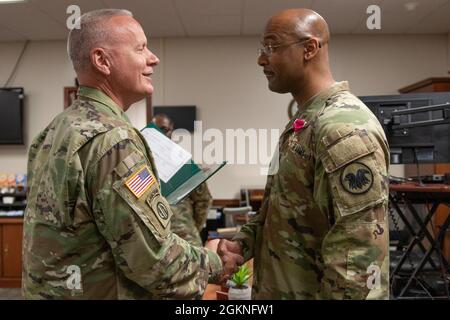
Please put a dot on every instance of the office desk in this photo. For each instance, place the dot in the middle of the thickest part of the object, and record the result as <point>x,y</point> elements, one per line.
<point>432,195</point>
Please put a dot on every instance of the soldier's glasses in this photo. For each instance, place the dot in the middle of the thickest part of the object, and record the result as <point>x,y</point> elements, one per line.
<point>269,49</point>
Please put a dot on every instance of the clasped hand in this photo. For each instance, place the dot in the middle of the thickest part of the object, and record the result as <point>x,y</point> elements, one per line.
<point>230,252</point>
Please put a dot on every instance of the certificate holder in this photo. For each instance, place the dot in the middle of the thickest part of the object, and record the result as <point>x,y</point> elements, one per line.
<point>179,174</point>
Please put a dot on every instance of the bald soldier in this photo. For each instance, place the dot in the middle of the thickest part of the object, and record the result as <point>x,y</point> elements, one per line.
<point>96,225</point>
<point>322,231</point>
<point>189,216</point>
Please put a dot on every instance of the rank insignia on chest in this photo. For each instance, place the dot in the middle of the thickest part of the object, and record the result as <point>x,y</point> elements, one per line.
<point>302,152</point>
<point>357,178</point>
<point>140,182</point>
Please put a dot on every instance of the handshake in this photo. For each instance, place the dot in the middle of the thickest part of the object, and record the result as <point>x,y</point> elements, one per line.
<point>230,252</point>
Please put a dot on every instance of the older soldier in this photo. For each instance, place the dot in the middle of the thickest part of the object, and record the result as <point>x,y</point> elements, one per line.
<point>96,225</point>
<point>322,229</point>
<point>189,216</point>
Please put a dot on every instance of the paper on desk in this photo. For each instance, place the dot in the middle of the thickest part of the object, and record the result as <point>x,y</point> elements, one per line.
<point>169,156</point>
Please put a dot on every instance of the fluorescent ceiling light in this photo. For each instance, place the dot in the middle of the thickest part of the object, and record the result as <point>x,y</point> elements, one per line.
<point>412,5</point>
<point>11,1</point>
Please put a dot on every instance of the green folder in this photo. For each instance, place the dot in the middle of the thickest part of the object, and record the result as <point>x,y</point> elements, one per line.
<point>185,180</point>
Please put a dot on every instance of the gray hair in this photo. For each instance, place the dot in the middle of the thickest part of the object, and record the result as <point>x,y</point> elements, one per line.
<point>92,31</point>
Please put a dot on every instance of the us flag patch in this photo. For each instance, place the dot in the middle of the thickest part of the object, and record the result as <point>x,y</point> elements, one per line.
<point>140,182</point>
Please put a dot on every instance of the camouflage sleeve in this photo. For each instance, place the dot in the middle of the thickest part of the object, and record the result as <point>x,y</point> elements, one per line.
<point>251,233</point>
<point>32,153</point>
<point>355,251</point>
<point>202,200</point>
<point>182,222</point>
<point>134,219</point>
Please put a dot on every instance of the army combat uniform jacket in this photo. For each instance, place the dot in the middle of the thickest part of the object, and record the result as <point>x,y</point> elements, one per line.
<point>96,225</point>
<point>189,216</point>
<point>322,230</point>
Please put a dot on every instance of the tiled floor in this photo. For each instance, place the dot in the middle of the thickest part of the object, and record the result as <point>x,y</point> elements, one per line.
<point>10,294</point>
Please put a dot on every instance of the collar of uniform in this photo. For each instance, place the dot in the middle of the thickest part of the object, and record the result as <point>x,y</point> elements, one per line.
<point>309,109</point>
<point>322,96</point>
<point>100,97</point>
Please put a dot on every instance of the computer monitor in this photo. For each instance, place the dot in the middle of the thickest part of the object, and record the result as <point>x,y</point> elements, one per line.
<point>11,116</point>
<point>427,143</point>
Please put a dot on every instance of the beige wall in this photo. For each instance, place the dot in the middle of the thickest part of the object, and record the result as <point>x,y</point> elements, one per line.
<point>220,76</point>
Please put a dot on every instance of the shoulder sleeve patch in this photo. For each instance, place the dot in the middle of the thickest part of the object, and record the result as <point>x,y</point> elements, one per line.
<point>354,174</point>
<point>356,178</point>
<point>161,209</point>
<point>139,182</point>
<point>139,188</point>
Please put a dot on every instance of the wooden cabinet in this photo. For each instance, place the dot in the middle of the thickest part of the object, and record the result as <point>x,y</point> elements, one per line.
<point>11,252</point>
<point>428,85</point>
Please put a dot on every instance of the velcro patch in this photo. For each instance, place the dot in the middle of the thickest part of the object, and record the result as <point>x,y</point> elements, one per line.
<point>161,209</point>
<point>356,178</point>
<point>140,182</point>
<point>347,150</point>
<point>128,163</point>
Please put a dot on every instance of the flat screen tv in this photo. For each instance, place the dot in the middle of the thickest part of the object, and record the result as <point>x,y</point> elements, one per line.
<point>11,116</point>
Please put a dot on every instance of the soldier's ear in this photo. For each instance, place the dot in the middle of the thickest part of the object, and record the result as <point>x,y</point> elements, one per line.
<point>311,48</point>
<point>100,61</point>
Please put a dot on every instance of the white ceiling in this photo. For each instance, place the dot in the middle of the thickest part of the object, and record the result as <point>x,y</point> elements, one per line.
<point>46,19</point>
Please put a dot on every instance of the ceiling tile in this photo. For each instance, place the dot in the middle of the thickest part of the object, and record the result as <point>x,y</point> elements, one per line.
<point>437,21</point>
<point>157,17</point>
<point>26,19</point>
<point>46,19</point>
<point>9,35</point>
<point>58,9</point>
<point>222,26</point>
<point>343,16</point>
<point>196,8</point>
<point>257,12</point>
<point>269,8</point>
<point>395,18</point>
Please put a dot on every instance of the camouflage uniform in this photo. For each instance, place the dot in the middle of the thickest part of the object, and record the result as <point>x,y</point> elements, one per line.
<point>190,215</point>
<point>89,232</point>
<point>322,231</point>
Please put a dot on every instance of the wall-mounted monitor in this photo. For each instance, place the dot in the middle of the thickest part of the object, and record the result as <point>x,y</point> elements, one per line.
<point>11,116</point>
